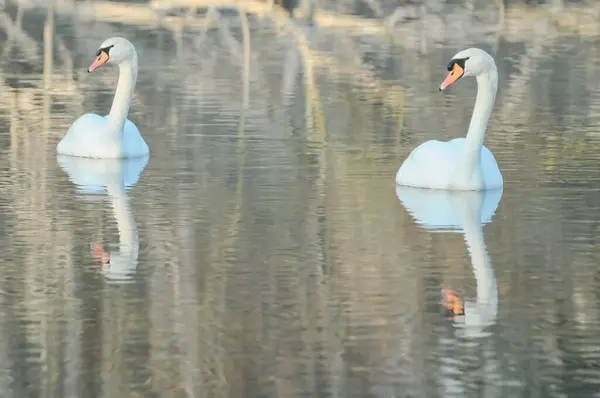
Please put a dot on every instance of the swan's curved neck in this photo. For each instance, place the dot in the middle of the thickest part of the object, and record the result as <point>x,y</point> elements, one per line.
<point>122,101</point>
<point>128,238</point>
<point>487,85</point>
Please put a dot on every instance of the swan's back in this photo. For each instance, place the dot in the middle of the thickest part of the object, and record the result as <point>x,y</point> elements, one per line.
<point>432,165</point>
<point>87,138</point>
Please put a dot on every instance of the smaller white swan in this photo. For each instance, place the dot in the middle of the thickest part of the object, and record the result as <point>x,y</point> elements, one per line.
<point>463,163</point>
<point>93,176</point>
<point>112,136</point>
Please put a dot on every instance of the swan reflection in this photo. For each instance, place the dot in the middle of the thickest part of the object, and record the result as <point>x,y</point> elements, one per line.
<point>92,177</point>
<point>465,212</point>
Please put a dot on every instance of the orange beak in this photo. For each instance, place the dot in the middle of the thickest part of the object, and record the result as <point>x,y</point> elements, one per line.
<point>453,76</point>
<point>452,302</point>
<point>100,256</point>
<point>98,62</point>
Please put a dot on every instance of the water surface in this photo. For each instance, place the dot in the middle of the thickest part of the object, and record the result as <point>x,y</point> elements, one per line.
<point>272,255</point>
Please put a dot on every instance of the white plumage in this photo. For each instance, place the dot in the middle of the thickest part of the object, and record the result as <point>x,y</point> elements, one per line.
<point>462,163</point>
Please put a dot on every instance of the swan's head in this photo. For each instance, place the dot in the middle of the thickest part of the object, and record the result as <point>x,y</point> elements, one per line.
<point>115,50</point>
<point>469,62</point>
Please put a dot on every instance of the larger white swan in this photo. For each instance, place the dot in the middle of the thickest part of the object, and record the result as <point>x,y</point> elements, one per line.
<point>469,210</point>
<point>112,136</point>
<point>92,176</point>
<point>463,163</point>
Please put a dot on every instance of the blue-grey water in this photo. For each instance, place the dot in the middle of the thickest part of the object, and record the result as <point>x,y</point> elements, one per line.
<point>274,256</point>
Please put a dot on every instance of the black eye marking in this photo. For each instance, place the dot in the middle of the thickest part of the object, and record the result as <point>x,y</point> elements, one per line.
<point>104,50</point>
<point>460,62</point>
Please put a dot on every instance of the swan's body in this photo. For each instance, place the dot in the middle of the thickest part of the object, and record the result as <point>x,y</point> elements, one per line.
<point>112,136</point>
<point>465,211</point>
<point>114,175</point>
<point>463,164</point>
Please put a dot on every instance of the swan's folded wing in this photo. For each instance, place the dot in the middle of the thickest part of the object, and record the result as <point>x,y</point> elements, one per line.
<point>429,165</point>
<point>82,134</point>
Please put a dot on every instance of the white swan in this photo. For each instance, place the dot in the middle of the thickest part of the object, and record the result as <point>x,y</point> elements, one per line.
<point>112,136</point>
<point>463,163</point>
<point>91,177</point>
<point>469,210</point>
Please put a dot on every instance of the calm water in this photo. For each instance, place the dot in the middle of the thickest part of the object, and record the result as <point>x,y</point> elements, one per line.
<point>274,256</point>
